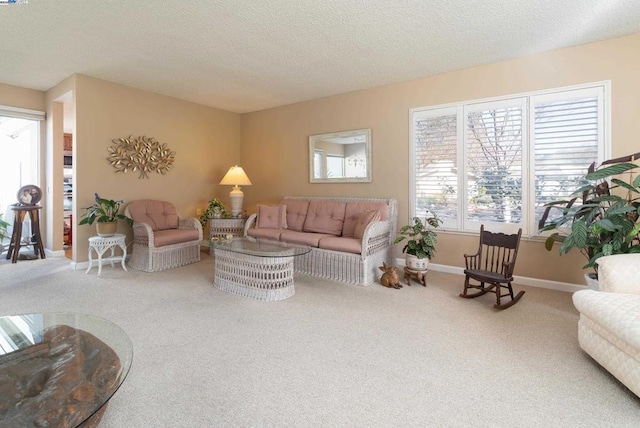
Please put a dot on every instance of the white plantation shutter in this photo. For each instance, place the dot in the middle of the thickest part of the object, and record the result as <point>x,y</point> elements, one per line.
<point>493,158</point>
<point>435,164</point>
<point>567,133</point>
<point>497,162</point>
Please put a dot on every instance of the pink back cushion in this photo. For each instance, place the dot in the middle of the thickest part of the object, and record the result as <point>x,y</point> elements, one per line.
<point>364,221</point>
<point>296,213</point>
<point>355,209</point>
<point>272,217</point>
<point>159,215</point>
<point>325,217</point>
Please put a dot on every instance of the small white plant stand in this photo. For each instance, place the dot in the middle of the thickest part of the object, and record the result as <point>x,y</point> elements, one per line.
<point>100,244</point>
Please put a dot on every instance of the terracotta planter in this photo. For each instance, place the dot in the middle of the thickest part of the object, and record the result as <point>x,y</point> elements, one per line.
<point>414,263</point>
<point>106,229</point>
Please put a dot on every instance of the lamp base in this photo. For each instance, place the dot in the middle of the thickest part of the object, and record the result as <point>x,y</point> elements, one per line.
<point>236,197</point>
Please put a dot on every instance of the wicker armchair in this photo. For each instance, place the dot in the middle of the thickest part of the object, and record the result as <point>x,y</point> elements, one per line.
<point>161,238</point>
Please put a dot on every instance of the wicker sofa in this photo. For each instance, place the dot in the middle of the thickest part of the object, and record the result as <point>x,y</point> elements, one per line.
<point>349,237</point>
<point>609,326</point>
<point>161,238</point>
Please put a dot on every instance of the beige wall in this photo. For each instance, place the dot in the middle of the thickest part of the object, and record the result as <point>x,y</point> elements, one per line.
<point>15,96</point>
<point>206,142</point>
<point>282,134</point>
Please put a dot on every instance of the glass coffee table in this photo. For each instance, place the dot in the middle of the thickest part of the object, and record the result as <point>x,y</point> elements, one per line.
<point>59,369</point>
<point>253,268</point>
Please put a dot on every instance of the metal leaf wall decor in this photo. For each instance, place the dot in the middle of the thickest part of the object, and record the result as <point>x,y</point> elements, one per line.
<point>144,154</point>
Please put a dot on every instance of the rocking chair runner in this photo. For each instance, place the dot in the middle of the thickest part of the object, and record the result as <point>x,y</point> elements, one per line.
<point>493,264</point>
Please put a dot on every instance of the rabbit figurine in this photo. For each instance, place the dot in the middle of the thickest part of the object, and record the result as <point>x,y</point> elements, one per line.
<point>390,276</point>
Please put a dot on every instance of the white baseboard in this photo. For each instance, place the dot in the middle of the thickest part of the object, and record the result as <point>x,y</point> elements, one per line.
<point>524,280</point>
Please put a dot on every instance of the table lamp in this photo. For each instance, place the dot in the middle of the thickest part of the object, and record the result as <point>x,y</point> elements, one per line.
<point>236,177</point>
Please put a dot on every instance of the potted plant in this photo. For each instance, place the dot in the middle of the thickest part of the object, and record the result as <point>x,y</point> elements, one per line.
<point>105,212</point>
<point>421,239</point>
<point>606,221</point>
<point>215,209</point>
<point>3,232</point>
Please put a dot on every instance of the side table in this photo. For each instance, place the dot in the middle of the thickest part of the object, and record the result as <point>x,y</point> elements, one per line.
<point>100,244</point>
<point>221,227</point>
<point>418,275</point>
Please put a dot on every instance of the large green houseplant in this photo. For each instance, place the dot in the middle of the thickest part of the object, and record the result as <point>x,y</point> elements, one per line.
<point>421,240</point>
<point>606,221</point>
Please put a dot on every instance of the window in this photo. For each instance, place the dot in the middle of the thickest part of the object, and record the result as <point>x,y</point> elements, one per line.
<point>19,141</point>
<point>335,166</point>
<point>498,161</point>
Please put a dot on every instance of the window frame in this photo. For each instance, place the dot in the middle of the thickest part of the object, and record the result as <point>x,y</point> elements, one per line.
<point>462,224</point>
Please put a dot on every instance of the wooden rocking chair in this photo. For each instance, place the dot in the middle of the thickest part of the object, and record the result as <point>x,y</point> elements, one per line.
<point>493,264</point>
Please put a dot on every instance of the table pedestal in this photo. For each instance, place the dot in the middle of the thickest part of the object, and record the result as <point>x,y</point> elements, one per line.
<point>20,212</point>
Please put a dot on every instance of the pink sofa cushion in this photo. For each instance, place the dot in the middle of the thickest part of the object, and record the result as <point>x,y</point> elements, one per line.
<point>296,213</point>
<point>272,217</point>
<point>302,238</point>
<point>325,217</point>
<point>159,215</point>
<point>174,236</point>
<point>354,210</point>
<point>340,243</point>
<point>364,221</point>
<point>264,233</point>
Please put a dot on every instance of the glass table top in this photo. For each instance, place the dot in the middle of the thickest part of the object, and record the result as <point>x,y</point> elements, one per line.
<point>59,369</point>
<point>259,247</point>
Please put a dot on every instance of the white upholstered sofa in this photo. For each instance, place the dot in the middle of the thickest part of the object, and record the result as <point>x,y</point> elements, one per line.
<point>349,237</point>
<point>609,326</point>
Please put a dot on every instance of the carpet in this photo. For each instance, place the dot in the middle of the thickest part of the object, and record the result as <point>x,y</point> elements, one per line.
<point>332,354</point>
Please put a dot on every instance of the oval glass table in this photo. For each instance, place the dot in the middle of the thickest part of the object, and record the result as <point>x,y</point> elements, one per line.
<point>259,269</point>
<point>60,369</point>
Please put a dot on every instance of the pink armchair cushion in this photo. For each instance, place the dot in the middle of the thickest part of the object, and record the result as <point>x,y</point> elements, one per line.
<point>325,217</point>
<point>296,213</point>
<point>174,236</point>
<point>364,221</point>
<point>272,217</point>
<point>354,210</point>
<point>159,215</point>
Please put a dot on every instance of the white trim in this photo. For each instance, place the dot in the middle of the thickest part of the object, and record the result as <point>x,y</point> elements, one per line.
<point>522,280</point>
<point>21,113</point>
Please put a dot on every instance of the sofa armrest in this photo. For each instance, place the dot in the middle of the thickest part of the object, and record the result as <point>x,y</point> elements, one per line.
<point>619,273</point>
<point>250,223</point>
<point>376,237</point>
<point>190,223</point>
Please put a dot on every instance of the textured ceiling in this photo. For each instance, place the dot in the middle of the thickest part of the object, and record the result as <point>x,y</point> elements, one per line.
<point>251,55</point>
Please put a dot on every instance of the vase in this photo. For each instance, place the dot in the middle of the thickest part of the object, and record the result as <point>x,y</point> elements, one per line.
<point>106,229</point>
<point>414,263</point>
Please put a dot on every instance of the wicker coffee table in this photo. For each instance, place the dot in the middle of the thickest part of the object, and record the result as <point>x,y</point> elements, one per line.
<point>258,269</point>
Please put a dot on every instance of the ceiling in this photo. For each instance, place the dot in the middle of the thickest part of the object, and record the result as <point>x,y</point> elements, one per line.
<point>251,55</point>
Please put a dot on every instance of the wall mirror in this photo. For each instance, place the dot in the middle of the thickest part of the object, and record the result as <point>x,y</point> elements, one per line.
<point>340,157</point>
